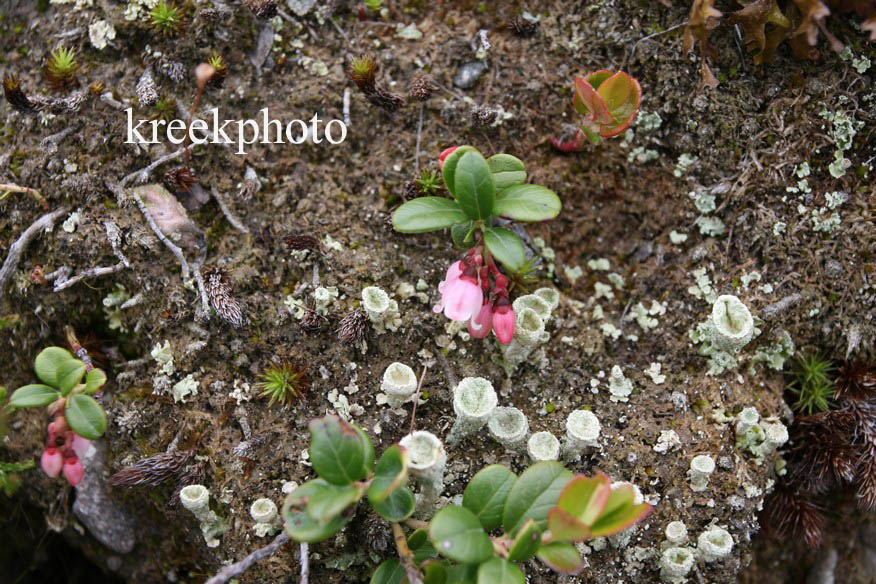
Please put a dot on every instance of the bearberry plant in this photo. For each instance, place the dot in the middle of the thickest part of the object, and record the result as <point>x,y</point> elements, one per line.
<point>484,190</point>
<point>503,521</point>
<point>68,384</point>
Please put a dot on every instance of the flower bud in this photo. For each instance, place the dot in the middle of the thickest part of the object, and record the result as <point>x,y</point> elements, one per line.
<point>504,320</point>
<point>51,462</point>
<point>445,154</point>
<point>73,470</point>
<point>481,324</point>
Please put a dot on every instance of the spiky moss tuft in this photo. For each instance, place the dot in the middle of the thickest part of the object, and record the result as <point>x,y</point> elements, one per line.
<point>167,19</point>
<point>811,380</point>
<point>61,68</point>
<point>283,383</point>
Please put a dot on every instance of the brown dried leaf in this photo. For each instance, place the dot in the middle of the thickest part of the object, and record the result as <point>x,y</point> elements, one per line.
<point>703,18</point>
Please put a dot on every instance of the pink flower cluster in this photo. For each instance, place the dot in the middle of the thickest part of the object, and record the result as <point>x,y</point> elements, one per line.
<point>466,296</point>
<point>63,451</point>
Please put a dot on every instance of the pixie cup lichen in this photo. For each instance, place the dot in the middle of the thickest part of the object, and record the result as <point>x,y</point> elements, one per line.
<point>474,401</point>
<point>543,446</point>
<point>582,433</point>
<point>399,384</point>
<point>714,544</point>
<point>264,513</point>
<point>701,468</point>
<point>427,460</point>
<point>509,427</point>
<point>196,498</point>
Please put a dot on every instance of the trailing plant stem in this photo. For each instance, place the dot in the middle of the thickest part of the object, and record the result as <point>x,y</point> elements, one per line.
<point>405,555</point>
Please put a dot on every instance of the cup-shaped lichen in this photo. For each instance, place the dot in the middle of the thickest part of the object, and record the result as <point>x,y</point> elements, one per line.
<point>550,295</point>
<point>676,563</point>
<point>399,384</point>
<point>701,468</point>
<point>375,301</point>
<point>582,432</point>
<point>427,460</point>
<point>474,400</point>
<point>714,544</point>
<point>543,446</point>
<point>734,325</point>
<point>509,427</point>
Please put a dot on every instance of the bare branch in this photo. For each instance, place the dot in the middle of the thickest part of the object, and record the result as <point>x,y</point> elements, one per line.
<point>62,282</point>
<point>238,568</point>
<point>20,244</point>
<point>226,210</point>
<point>405,555</point>
<point>142,175</point>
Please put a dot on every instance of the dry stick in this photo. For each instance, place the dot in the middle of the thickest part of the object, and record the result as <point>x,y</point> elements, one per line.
<point>347,121</point>
<point>238,568</point>
<point>174,249</point>
<point>226,210</point>
<point>405,555</point>
<point>62,283</point>
<point>19,245</point>
<point>26,190</point>
<point>419,137</point>
<point>417,398</point>
<point>143,174</point>
<point>305,563</point>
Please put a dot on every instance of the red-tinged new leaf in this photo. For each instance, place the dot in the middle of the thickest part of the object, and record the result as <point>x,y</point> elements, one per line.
<point>584,498</point>
<point>619,512</point>
<point>560,557</point>
<point>588,102</point>
<point>565,527</point>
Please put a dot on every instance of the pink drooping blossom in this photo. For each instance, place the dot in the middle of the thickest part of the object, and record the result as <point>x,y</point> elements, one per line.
<point>51,462</point>
<point>445,154</point>
<point>480,325</point>
<point>504,320</point>
<point>461,297</point>
<point>73,470</point>
<point>81,446</point>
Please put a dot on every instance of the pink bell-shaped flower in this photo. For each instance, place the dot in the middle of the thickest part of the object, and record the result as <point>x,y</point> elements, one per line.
<point>479,325</point>
<point>444,155</point>
<point>81,446</point>
<point>461,298</point>
<point>51,461</point>
<point>504,320</point>
<point>73,470</point>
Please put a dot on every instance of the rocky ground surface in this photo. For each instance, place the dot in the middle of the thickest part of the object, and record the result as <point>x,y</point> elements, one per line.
<point>703,197</point>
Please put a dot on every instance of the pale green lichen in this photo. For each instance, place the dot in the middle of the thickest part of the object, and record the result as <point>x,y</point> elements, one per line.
<point>704,202</point>
<point>112,308</point>
<point>599,265</point>
<point>184,388</point>
<point>685,161</point>
<point>164,357</point>
<point>619,386</point>
<point>776,354</point>
<point>710,226</point>
<point>676,237</point>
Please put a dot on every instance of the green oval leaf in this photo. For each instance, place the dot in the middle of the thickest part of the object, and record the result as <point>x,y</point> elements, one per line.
<point>398,506</point>
<point>434,572</point>
<point>85,416</point>
<point>94,380</point>
<point>506,247</point>
<point>367,447</point>
<point>448,169</point>
<point>500,571</point>
<point>507,170</point>
<point>59,368</point>
<point>33,396</point>
<point>526,542</point>
<point>534,493</point>
<point>427,214</point>
<point>327,503</point>
<point>462,236</point>
<point>462,574</point>
<point>560,557</point>
<point>475,190</point>
<point>337,451</point>
<point>528,203</point>
<point>390,473</point>
<point>565,527</point>
<point>457,534</point>
<point>389,572</point>
<point>486,493</point>
<point>300,527</point>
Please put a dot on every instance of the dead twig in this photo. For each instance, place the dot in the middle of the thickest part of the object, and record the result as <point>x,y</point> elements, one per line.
<point>226,210</point>
<point>238,568</point>
<point>62,282</point>
<point>305,563</point>
<point>19,245</point>
<point>12,188</point>
<point>142,175</point>
<point>419,137</point>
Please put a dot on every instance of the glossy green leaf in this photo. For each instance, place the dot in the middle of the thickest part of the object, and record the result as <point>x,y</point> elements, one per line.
<point>398,506</point>
<point>337,451</point>
<point>367,447</point>
<point>390,473</point>
<point>300,527</point>
<point>448,169</point>
<point>462,235</point>
<point>560,557</point>
<point>486,494</point>
<point>534,493</point>
<point>85,416</point>
<point>500,571</point>
<point>59,368</point>
<point>94,380</point>
<point>475,190</point>
<point>619,512</point>
<point>330,501</point>
<point>507,170</point>
<point>462,574</point>
<point>457,534</point>
<point>419,543</point>
<point>427,214</point>
<point>525,543</point>
<point>33,396</point>
<point>565,527</point>
<point>389,572</point>
<point>434,572</point>
<point>584,498</point>
<point>528,203</point>
<point>506,247</point>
